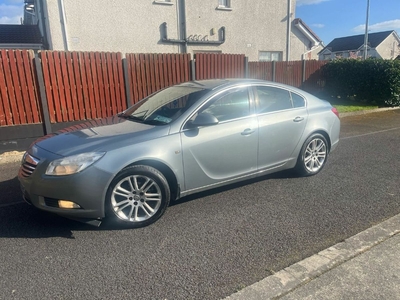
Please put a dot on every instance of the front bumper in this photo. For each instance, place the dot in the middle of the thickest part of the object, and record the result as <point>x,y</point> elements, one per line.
<point>87,188</point>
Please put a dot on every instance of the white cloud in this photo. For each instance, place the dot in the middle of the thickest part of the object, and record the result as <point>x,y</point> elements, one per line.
<point>11,14</point>
<point>13,20</point>
<point>382,26</point>
<point>14,1</point>
<point>318,25</point>
<point>309,2</point>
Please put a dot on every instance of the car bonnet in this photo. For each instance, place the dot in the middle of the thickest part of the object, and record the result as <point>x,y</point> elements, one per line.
<point>99,135</point>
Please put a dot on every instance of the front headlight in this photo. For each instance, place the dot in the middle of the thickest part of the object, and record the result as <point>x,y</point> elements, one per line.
<point>73,164</point>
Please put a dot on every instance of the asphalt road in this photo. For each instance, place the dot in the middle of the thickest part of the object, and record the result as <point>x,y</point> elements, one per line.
<point>209,245</point>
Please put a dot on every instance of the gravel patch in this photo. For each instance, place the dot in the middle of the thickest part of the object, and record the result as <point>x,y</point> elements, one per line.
<point>12,156</point>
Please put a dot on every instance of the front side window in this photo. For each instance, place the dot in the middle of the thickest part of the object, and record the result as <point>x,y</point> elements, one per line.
<point>270,56</point>
<point>232,104</point>
<point>270,99</point>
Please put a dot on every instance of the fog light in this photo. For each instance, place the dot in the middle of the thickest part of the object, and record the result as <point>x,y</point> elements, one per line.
<point>67,204</point>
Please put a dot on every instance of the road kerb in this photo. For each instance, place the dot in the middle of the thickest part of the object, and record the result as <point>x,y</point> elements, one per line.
<point>285,281</point>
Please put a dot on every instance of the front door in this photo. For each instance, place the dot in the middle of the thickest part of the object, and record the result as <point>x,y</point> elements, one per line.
<point>218,153</point>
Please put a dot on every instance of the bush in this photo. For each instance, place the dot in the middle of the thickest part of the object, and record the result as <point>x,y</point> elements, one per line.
<point>374,81</point>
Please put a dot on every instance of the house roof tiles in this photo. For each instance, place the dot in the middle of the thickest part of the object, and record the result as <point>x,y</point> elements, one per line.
<point>20,34</point>
<point>354,42</point>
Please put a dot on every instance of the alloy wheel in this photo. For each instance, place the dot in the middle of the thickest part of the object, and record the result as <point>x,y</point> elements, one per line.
<point>136,198</point>
<point>315,155</point>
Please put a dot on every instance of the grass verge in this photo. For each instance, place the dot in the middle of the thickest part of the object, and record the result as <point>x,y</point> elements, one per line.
<point>348,105</point>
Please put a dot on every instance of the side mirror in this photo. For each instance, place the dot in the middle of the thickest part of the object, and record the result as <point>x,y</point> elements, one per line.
<point>204,119</point>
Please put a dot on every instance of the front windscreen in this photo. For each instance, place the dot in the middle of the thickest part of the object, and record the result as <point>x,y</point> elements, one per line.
<point>164,106</point>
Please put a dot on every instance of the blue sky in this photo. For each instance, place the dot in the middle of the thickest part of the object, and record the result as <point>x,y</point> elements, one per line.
<point>327,18</point>
<point>11,11</point>
<point>330,19</point>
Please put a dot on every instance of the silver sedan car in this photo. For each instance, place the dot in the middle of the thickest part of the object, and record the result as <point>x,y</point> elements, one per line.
<point>178,141</point>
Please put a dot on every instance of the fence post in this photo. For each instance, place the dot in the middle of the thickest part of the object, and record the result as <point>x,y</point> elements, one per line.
<point>127,82</point>
<point>274,70</point>
<point>193,70</point>
<point>303,73</point>
<point>43,98</point>
<point>246,67</point>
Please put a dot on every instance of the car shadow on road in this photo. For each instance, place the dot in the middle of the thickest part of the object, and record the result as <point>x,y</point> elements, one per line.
<point>278,175</point>
<point>21,220</point>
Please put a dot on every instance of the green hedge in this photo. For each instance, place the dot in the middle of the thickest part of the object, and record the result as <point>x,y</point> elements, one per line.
<point>374,81</point>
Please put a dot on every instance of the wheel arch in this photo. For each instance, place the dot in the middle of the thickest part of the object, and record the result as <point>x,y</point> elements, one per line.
<point>165,170</point>
<point>326,136</point>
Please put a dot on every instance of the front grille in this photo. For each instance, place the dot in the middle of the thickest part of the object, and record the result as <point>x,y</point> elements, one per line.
<point>29,164</point>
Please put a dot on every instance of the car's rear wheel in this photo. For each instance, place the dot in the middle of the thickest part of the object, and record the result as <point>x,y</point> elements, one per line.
<point>137,197</point>
<point>313,155</point>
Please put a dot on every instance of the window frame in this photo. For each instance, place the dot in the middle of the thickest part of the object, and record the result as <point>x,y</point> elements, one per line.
<point>304,100</point>
<point>257,101</point>
<point>163,2</point>
<point>280,53</point>
<point>216,97</point>
<point>227,6</point>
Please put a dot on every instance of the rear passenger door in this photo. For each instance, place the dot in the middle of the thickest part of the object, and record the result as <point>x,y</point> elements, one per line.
<point>282,117</point>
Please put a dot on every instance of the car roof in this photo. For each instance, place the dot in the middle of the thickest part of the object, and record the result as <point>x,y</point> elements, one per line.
<point>211,84</point>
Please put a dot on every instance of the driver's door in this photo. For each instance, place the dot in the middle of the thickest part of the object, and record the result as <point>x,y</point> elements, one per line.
<point>217,153</point>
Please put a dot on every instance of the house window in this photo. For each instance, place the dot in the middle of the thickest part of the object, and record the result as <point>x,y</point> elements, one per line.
<point>224,5</point>
<point>270,56</point>
<point>327,56</point>
<point>207,51</point>
<point>339,54</point>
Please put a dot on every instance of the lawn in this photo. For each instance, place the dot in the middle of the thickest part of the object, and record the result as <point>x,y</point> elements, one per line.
<point>349,106</point>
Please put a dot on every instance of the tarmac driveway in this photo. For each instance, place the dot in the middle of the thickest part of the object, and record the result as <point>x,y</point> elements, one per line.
<point>212,246</point>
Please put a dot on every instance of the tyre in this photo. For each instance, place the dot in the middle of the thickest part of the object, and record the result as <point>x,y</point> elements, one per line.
<point>313,155</point>
<point>137,197</point>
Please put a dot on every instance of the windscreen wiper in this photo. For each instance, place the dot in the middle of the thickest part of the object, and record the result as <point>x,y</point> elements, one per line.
<point>131,118</point>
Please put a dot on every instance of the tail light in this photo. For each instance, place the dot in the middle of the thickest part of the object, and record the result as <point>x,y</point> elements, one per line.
<point>335,111</point>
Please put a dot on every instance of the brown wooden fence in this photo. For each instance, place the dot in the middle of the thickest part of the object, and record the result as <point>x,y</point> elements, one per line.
<point>18,93</point>
<point>289,73</point>
<point>261,70</point>
<point>90,85</point>
<point>83,85</point>
<point>314,79</point>
<point>55,89</point>
<point>212,65</point>
<point>149,73</point>
<point>304,74</point>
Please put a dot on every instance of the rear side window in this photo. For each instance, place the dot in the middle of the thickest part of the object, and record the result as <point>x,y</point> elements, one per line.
<point>298,101</point>
<point>272,99</point>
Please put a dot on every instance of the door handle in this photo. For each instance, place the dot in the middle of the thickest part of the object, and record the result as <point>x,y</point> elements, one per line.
<point>298,119</point>
<point>248,131</point>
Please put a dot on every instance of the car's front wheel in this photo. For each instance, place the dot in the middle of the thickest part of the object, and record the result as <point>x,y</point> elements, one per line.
<point>137,197</point>
<point>313,155</point>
